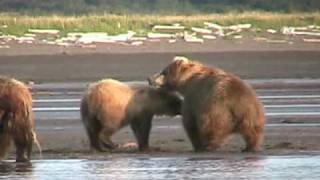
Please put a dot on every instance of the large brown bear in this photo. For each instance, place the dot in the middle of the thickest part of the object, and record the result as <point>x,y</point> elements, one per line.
<point>216,104</point>
<point>16,119</point>
<point>109,105</point>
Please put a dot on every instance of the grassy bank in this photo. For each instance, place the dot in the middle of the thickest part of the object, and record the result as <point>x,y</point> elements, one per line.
<point>115,24</point>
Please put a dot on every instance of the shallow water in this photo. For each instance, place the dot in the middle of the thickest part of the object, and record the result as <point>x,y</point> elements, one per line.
<point>265,167</point>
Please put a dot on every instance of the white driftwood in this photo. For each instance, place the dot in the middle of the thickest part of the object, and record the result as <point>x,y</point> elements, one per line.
<point>293,31</point>
<point>172,41</point>
<point>211,37</point>
<point>29,35</point>
<point>287,30</point>
<point>275,41</point>
<point>138,38</point>
<point>311,40</point>
<point>314,27</point>
<point>239,26</point>
<point>213,25</point>
<point>160,35</point>
<point>271,31</point>
<point>44,31</point>
<point>237,37</point>
<point>306,33</point>
<point>168,28</point>
<point>201,30</point>
<point>28,40</point>
<point>192,39</point>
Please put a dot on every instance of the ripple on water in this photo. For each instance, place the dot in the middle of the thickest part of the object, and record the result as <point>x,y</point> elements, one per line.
<point>268,167</point>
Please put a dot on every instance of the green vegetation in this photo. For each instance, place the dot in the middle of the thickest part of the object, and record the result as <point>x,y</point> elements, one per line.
<point>155,6</point>
<point>14,24</point>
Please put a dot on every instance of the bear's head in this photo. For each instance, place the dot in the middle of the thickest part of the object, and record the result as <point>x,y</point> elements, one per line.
<point>175,74</point>
<point>165,102</point>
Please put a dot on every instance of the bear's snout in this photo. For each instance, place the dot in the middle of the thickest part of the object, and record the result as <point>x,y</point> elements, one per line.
<point>156,80</point>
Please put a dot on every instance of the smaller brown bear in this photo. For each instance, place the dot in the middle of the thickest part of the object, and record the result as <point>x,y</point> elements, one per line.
<point>16,119</point>
<point>109,105</point>
<point>216,104</point>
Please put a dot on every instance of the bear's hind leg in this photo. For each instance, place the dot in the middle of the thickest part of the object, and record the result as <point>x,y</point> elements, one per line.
<point>253,137</point>
<point>105,138</point>
<point>216,127</point>
<point>141,128</point>
<point>93,130</point>
<point>217,137</point>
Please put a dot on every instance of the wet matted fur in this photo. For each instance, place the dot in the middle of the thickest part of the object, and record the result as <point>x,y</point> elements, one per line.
<point>16,119</point>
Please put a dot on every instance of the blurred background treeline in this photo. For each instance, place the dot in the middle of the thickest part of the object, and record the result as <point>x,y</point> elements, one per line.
<point>155,6</point>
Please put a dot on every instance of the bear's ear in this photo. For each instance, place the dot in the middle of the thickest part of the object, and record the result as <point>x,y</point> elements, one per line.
<point>181,58</point>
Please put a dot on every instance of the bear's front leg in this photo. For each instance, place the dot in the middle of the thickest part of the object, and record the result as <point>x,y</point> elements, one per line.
<point>21,152</point>
<point>141,127</point>
<point>192,130</point>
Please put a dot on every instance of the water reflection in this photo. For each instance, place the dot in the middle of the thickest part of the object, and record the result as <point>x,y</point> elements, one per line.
<point>272,167</point>
<point>13,170</point>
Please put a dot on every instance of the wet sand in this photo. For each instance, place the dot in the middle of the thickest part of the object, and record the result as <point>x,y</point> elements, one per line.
<point>169,138</point>
<point>249,60</point>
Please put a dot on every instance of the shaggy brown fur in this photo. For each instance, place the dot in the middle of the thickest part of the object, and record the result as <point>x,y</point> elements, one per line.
<point>16,118</point>
<point>216,104</point>
<point>109,105</point>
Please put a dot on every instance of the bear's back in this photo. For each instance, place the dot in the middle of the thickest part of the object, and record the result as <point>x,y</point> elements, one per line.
<point>14,91</point>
